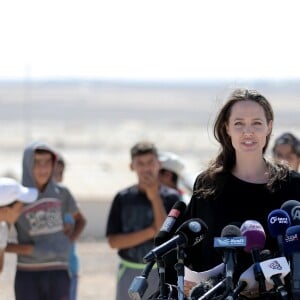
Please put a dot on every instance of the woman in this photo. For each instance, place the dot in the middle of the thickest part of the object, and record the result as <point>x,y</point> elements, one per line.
<point>287,148</point>
<point>239,184</point>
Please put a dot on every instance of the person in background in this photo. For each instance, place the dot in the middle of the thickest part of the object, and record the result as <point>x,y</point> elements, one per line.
<point>12,197</point>
<point>287,148</point>
<point>59,168</point>
<point>136,216</point>
<point>173,174</point>
<point>58,176</point>
<point>239,184</point>
<point>43,245</point>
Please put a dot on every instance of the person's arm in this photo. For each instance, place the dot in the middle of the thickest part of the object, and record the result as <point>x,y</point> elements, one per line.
<point>128,240</point>
<point>40,249</point>
<point>1,259</point>
<point>3,241</point>
<point>159,212</point>
<point>118,239</point>
<point>22,249</point>
<point>79,224</point>
<point>78,217</point>
<point>151,185</point>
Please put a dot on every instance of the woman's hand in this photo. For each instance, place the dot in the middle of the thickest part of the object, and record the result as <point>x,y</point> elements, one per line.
<point>188,285</point>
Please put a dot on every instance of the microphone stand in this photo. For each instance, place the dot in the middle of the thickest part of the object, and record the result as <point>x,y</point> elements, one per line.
<point>139,284</point>
<point>179,267</point>
<point>214,290</point>
<point>260,278</point>
<point>163,288</point>
<point>235,293</point>
<point>229,266</point>
<point>258,273</point>
<point>280,289</point>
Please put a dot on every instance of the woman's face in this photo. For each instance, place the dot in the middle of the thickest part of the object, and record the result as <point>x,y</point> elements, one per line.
<point>285,152</point>
<point>248,127</point>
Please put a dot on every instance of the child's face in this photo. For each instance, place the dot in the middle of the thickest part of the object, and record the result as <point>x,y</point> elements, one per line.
<point>11,213</point>
<point>145,165</point>
<point>42,168</point>
<point>58,172</point>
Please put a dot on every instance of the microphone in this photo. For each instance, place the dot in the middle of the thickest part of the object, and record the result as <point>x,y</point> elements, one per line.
<point>256,239</point>
<point>292,248</point>
<point>207,289</point>
<point>200,289</point>
<point>247,285</point>
<point>230,240</point>
<point>166,232</point>
<point>248,278</point>
<point>139,284</point>
<point>265,254</point>
<point>278,222</point>
<point>218,288</point>
<point>206,280</point>
<point>292,207</point>
<point>170,224</point>
<point>189,233</point>
<point>275,270</point>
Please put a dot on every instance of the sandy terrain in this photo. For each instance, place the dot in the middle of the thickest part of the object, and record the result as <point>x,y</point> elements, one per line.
<point>98,265</point>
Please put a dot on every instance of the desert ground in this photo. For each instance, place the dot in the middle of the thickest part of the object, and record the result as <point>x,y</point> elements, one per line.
<point>98,266</point>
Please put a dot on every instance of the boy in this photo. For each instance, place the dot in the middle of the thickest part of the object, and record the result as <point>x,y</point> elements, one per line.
<point>12,197</point>
<point>43,248</point>
<point>136,216</point>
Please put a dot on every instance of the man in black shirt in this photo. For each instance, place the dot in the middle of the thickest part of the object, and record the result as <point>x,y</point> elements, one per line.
<point>135,217</point>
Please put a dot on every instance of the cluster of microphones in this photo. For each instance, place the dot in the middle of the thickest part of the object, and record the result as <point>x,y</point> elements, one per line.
<point>271,276</point>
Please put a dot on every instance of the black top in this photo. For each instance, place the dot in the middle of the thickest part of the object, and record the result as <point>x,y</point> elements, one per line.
<point>238,202</point>
<point>131,211</point>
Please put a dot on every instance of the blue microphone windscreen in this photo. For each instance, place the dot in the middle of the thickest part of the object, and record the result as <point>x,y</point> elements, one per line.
<point>292,240</point>
<point>278,222</point>
<point>292,207</point>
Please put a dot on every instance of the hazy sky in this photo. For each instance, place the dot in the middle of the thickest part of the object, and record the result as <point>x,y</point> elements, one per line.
<point>130,39</point>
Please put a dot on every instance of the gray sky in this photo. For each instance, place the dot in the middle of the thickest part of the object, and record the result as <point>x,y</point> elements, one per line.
<point>157,39</point>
